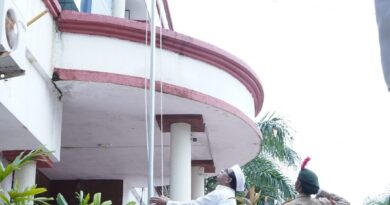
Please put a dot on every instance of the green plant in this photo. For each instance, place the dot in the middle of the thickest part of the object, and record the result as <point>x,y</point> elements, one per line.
<point>20,161</point>
<point>266,176</point>
<point>16,196</point>
<point>84,200</point>
<point>61,200</point>
<point>254,197</point>
<point>382,199</point>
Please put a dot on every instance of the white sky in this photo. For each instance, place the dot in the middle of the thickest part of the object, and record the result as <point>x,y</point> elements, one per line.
<point>319,64</point>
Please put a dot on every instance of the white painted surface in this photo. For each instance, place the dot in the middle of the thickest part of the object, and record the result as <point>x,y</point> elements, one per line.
<point>6,185</point>
<point>103,7</point>
<point>31,99</point>
<point>102,113</point>
<point>130,59</point>
<point>197,182</point>
<point>118,8</point>
<point>40,36</point>
<point>14,132</point>
<point>180,182</point>
<point>137,10</point>
<point>25,176</point>
<point>36,106</point>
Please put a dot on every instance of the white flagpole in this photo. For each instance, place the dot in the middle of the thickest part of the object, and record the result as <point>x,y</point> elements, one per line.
<point>151,105</point>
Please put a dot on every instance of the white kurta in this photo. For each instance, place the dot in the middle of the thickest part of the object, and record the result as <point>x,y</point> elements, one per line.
<point>222,195</point>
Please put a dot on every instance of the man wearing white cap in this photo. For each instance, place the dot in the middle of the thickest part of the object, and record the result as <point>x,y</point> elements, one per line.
<point>229,181</point>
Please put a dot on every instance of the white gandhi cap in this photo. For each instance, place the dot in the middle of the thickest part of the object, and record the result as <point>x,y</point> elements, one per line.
<point>240,178</point>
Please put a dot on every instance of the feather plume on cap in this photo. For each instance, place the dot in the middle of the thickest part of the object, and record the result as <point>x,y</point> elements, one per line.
<point>304,163</point>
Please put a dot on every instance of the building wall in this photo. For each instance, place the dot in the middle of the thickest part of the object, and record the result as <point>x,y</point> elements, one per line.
<point>32,98</point>
<point>41,34</point>
<point>131,59</point>
<point>103,7</point>
<point>137,10</point>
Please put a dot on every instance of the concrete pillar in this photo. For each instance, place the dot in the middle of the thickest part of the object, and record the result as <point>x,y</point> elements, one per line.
<point>180,172</point>
<point>25,177</point>
<point>118,8</point>
<point>197,182</point>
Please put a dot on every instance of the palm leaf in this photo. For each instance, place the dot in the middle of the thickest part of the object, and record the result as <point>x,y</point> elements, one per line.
<point>80,197</point>
<point>60,199</point>
<point>14,193</point>
<point>109,202</point>
<point>4,199</point>
<point>277,137</point>
<point>96,199</point>
<point>21,160</point>
<point>42,200</point>
<point>267,177</point>
<point>86,199</point>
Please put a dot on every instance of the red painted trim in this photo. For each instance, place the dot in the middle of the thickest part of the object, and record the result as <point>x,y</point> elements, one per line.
<point>42,162</point>
<point>195,120</point>
<point>54,7</point>
<point>101,77</point>
<point>74,22</point>
<point>168,13</point>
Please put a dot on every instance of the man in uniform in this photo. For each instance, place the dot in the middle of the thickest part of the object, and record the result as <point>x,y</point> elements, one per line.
<point>229,181</point>
<point>307,185</point>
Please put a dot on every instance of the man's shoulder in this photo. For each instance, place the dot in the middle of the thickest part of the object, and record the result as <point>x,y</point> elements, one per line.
<point>292,202</point>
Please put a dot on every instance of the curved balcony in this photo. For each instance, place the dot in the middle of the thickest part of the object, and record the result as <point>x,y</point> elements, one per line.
<point>101,66</point>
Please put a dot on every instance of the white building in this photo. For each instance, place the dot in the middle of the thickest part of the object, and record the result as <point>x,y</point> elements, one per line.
<point>74,82</point>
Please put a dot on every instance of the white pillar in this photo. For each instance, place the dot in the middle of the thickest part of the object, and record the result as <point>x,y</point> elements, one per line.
<point>118,8</point>
<point>180,171</point>
<point>25,177</point>
<point>197,182</point>
<point>6,183</point>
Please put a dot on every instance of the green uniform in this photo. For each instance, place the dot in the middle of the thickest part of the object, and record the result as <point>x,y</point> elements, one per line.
<point>323,198</point>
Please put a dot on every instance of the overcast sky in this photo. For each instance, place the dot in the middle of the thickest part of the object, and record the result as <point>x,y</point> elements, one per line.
<point>319,64</point>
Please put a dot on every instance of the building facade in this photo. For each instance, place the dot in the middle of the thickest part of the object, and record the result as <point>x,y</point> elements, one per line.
<point>74,78</point>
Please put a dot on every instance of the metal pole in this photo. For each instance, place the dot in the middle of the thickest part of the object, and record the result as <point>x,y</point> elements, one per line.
<point>151,101</point>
